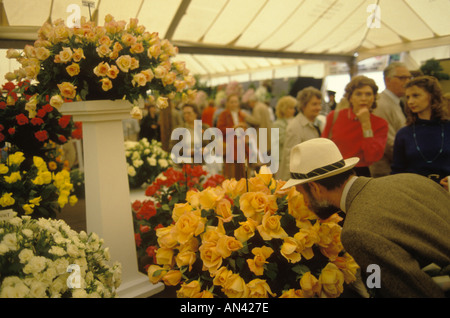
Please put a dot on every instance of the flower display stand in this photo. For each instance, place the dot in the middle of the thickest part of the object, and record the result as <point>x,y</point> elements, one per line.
<point>108,205</point>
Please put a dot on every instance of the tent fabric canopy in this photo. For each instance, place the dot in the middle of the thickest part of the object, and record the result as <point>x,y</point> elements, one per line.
<point>226,36</point>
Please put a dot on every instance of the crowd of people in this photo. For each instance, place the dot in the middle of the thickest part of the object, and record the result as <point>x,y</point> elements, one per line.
<point>404,128</point>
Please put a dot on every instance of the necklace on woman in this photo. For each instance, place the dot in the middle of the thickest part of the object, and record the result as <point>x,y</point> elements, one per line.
<point>420,151</point>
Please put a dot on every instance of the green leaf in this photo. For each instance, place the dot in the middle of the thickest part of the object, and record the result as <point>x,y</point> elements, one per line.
<point>300,269</point>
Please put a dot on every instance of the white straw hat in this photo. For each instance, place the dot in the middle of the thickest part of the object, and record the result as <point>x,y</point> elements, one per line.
<point>316,159</point>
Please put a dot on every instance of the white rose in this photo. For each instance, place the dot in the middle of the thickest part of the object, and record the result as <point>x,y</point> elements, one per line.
<point>72,250</point>
<point>38,290</point>
<point>131,171</point>
<point>56,250</point>
<point>25,255</point>
<point>3,249</point>
<point>138,163</point>
<point>151,161</point>
<point>10,240</point>
<point>79,293</point>
<point>28,233</point>
<point>35,265</point>
<point>163,163</point>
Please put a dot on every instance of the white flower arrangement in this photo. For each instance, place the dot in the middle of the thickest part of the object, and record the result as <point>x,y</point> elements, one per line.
<point>145,161</point>
<point>35,256</point>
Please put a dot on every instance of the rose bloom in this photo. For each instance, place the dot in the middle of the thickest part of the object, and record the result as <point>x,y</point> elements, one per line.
<point>234,188</point>
<point>139,79</point>
<point>65,55</point>
<point>188,225</point>
<point>112,72</point>
<point>106,84</point>
<point>223,210</point>
<point>310,285</point>
<point>186,257</point>
<point>101,69</point>
<point>67,90</point>
<point>258,288</point>
<point>271,227</point>
<point>203,294</point>
<point>348,267</point>
<point>169,78</point>
<point>330,240</point>
<point>193,198</point>
<point>306,238</point>
<point>165,238</point>
<point>137,48</point>
<point>188,290</point>
<point>154,51</point>
<point>160,71</point>
<point>290,250</point>
<point>172,278</point>
<point>124,63</point>
<point>128,39</point>
<point>221,276</point>
<point>164,256</point>
<point>210,197</point>
<point>210,257</point>
<point>256,265</point>
<point>255,204</point>
<point>134,64</point>
<point>78,54</point>
<point>293,293</point>
<point>180,209</point>
<point>246,230</point>
<point>179,85</point>
<point>57,101</point>
<point>103,50</point>
<point>148,75</point>
<point>152,276</point>
<point>227,245</point>
<point>235,287</point>
<point>105,40</point>
<point>331,281</point>
<point>42,53</point>
<point>162,102</point>
<point>73,69</point>
<point>298,209</point>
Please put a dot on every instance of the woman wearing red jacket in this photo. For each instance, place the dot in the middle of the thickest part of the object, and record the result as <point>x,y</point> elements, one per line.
<point>355,130</point>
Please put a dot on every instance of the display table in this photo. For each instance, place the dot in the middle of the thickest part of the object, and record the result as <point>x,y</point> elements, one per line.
<point>108,204</point>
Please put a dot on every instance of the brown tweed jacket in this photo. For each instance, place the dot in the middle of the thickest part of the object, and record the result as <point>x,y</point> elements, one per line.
<point>401,223</point>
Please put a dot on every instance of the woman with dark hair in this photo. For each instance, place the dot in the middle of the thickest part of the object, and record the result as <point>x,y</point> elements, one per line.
<point>423,145</point>
<point>355,130</point>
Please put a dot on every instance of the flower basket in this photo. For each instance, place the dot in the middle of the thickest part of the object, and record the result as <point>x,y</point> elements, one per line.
<point>36,255</point>
<point>248,239</point>
<point>169,189</point>
<point>145,161</point>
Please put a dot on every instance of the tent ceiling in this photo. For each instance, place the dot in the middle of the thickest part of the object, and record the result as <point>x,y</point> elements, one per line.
<point>231,36</point>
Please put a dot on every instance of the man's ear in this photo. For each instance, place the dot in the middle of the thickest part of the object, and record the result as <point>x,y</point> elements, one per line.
<point>315,188</point>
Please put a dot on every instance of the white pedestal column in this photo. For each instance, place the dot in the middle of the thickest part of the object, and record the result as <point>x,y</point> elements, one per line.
<point>108,205</point>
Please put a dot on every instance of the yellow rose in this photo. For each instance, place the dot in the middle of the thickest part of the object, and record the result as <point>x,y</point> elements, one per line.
<point>193,198</point>
<point>56,101</point>
<point>73,69</point>
<point>139,80</point>
<point>234,188</point>
<point>180,209</point>
<point>65,55</point>
<point>103,50</point>
<point>223,210</point>
<point>292,293</point>
<point>164,256</point>
<point>189,290</point>
<point>172,278</point>
<point>78,54</point>
<point>298,209</point>
<point>290,250</point>
<point>106,84</point>
<point>128,39</point>
<point>73,200</point>
<point>160,71</point>
<point>28,208</point>
<point>348,267</point>
<point>271,227</point>
<point>221,276</point>
<point>246,230</point>
<point>306,238</point>
<point>203,294</point>
<point>186,257</point>
<point>169,78</point>
<point>155,273</point>
<point>67,90</point>
<point>310,285</point>
<point>330,240</point>
<point>154,51</point>
<point>7,200</point>
<point>35,201</point>
<point>112,72</point>
<point>13,177</point>
<point>188,225</point>
<point>256,265</point>
<point>3,168</point>
<point>331,281</point>
<point>162,102</point>
<point>136,113</point>
<point>42,53</point>
<point>165,238</point>
<point>101,69</point>
<point>213,233</point>
<point>210,197</point>
<point>235,287</point>
<point>124,63</point>
<point>255,204</point>
<point>148,75</point>
<point>16,158</point>
<point>62,200</point>
<point>179,85</point>
<point>227,245</point>
<point>137,48</point>
<point>210,257</point>
<point>258,288</point>
<point>134,63</point>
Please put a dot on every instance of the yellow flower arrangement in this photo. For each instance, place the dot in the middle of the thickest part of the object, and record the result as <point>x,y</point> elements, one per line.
<point>118,60</point>
<point>249,238</point>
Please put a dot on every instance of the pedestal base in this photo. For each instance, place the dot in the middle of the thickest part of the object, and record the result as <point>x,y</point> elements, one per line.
<point>139,288</point>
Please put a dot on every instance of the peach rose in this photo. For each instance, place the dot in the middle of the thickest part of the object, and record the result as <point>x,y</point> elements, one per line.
<point>139,79</point>
<point>256,265</point>
<point>180,66</point>
<point>331,281</point>
<point>162,102</point>
<point>154,51</point>
<point>210,257</point>
<point>106,84</point>
<point>271,227</point>
<point>134,64</point>
<point>310,285</point>
<point>105,40</point>
<point>235,287</point>
<point>42,53</point>
<point>148,75</point>
<point>172,278</point>
<point>179,85</point>
<point>246,230</point>
<point>137,48</point>
<point>169,78</point>
<point>67,90</point>
<point>73,69</point>
<point>128,39</point>
<point>103,50</point>
<point>189,290</point>
<point>155,273</point>
<point>78,54</point>
<point>160,71</point>
<point>124,63</point>
<point>101,69</point>
<point>65,55</point>
<point>227,245</point>
<point>189,224</point>
<point>255,204</point>
<point>258,288</point>
<point>112,72</point>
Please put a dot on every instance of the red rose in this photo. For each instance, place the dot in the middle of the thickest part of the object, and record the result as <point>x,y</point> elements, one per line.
<point>136,205</point>
<point>22,119</point>
<point>47,108</point>
<point>151,250</point>
<point>144,228</point>
<point>9,86</point>
<point>64,121</point>
<point>137,238</point>
<point>2,105</point>
<point>12,131</point>
<point>62,138</point>
<point>41,135</point>
<point>2,137</point>
<point>147,210</point>
<point>41,113</point>
<point>77,134</point>
<point>151,190</point>
<point>37,121</point>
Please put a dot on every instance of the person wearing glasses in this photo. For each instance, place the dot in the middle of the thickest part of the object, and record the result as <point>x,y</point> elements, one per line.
<point>390,107</point>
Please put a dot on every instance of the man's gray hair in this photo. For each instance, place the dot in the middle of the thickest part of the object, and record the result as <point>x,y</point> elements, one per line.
<point>389,71</point>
